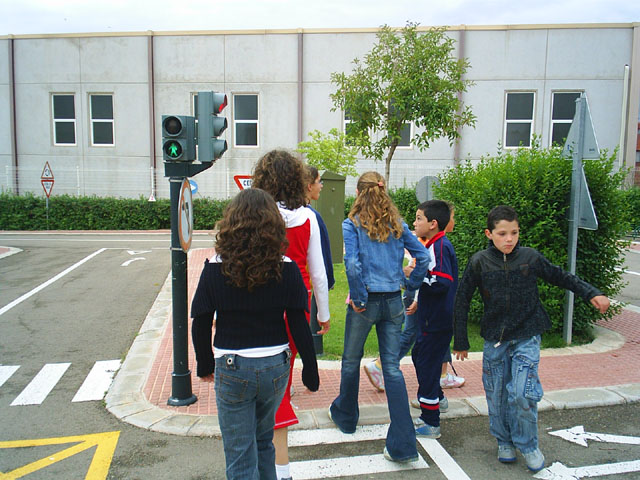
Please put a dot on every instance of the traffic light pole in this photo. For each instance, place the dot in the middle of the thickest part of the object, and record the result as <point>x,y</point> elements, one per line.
<point>181,391</point>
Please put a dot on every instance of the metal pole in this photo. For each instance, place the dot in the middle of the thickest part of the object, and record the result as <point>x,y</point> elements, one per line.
<point>574,215</point>
<point>181,392</point>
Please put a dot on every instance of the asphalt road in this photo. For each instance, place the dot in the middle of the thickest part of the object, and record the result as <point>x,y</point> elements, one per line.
<point>93,312</point>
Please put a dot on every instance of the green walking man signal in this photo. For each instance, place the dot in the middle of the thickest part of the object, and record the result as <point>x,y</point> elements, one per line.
<point>178,138</point>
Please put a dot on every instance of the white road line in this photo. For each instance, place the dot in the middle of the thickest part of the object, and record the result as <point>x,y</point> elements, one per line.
<point>21,299</point>
<point>98,381</point>
<point>6,371</point>
<point>443,460</point>
<point>305,438</point>
<point>358,465</point>
<point>630,272</point>
<point>42,384</point>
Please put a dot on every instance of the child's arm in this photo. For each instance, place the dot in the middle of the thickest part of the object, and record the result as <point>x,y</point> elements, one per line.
<point>561,278</point>
<point>465,291</point>
<point>439,280</point>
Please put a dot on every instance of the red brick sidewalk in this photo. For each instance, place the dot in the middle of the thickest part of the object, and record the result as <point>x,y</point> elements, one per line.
<point>558,372</point>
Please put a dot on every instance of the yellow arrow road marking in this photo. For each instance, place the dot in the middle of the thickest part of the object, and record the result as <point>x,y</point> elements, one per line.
<point>105,444</point>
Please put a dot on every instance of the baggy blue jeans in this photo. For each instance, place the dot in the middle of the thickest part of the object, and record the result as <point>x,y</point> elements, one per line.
<point>386,312</point>
<point>248,392</point>
<point>513,390</point>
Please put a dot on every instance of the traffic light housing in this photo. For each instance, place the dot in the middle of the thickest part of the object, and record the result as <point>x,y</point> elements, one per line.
<point>210,126</point>
<point>178,138</point>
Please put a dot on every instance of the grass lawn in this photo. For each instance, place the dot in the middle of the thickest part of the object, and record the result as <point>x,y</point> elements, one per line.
<point>332,341</point>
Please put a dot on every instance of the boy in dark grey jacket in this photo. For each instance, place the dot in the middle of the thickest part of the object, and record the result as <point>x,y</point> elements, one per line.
<point>512,322</point>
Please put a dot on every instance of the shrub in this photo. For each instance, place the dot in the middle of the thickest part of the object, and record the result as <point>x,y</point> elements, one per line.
<point>537,183</point>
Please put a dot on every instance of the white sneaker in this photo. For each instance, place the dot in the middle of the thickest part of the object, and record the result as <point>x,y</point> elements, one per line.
<point>451,381</point>
<point>375,375</point>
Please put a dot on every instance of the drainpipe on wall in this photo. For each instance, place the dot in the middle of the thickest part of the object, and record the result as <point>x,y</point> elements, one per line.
<point>623,120</point>
<point>633,103</point>
<point>300,79</point>
<point>12,116</point>
<point>457,148</point>
<point>152,123</point>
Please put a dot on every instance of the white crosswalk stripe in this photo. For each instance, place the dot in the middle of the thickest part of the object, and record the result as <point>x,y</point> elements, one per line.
<point>93,388</point>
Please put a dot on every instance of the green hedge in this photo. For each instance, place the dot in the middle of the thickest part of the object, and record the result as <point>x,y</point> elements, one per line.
<point>28,212</point>
<point>537,183</point>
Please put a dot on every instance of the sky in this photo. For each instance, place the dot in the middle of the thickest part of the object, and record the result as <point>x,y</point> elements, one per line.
<point>19,17</point>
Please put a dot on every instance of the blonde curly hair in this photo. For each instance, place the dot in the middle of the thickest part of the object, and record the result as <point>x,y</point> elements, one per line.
<point>374,210</point>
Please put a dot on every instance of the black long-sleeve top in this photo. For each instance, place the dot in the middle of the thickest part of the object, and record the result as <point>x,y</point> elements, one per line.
<point>251,319</point>
<point>509,290</point>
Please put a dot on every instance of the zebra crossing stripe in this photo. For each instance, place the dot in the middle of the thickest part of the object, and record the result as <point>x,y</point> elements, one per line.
<point>98,381</point>
<point>42,384</point>
<point>6,371</point>
<point>358,465</point>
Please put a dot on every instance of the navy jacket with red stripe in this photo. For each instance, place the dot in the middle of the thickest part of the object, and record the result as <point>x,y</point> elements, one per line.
<point>437,293</point>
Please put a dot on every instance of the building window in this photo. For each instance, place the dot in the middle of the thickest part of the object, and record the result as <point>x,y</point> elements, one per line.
<point>518,126</point>
<point>101,113</point>
<point>245,120</point>
<point>64,119</point>
<point>563,108</point>
<point>405,136</point>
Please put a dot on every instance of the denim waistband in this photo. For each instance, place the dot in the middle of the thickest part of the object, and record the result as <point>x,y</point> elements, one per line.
<point>383,294</point>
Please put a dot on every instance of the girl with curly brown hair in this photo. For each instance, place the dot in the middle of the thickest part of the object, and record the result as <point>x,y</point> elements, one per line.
<point>250,286</point>
<point>375,238</point>
<point>282,175</point>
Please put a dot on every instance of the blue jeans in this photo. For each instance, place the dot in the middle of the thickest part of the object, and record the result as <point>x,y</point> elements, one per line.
<point>410,331</point>
<point>248,392</point>
<point>513,390</point>
<point>386,312</point>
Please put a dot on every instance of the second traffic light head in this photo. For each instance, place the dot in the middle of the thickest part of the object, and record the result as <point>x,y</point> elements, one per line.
<point>210,126</point>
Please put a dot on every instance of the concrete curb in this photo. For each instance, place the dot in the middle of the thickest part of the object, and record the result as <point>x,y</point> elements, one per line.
<point>126,400</point>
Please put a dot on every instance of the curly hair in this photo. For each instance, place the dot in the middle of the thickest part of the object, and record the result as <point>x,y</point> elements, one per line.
<point>251,240</point>
<point>374,210</point>
<point>282,175</point>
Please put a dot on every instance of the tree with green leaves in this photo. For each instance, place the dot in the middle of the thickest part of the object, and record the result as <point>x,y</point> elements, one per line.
<point>408,76</point>
<point>330,152</point>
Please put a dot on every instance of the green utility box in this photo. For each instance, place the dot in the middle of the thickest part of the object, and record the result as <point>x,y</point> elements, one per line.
<point>330,205</point>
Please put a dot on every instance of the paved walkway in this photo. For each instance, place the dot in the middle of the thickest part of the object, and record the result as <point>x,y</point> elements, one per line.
<point>606,372</point>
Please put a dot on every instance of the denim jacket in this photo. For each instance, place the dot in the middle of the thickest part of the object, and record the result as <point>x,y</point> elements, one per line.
<point>373,266</point>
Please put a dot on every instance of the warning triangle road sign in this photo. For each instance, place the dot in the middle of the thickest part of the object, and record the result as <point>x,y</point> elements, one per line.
<point>47,184</point>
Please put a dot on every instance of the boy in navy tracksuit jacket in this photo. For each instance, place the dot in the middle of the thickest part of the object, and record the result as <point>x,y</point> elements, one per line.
<point>435,313</point>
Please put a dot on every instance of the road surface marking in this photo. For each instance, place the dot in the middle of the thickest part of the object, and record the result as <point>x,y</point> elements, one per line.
<point>129,262</point>
<point>6,371</point>
<point>357,465</point>
<point>105,444</point>
<point>579,436</point>
<point>558,471</point>
<point>443,460</point>
<point>97,383</point>
<point>21,299</point>
<point>42,384</point>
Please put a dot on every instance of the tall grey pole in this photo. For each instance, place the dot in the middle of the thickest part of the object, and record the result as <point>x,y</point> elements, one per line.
<point>574,213</point>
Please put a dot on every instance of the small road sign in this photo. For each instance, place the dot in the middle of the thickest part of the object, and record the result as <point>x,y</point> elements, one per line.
<point>185,216</point>
<point>243,181</point>
<point>46,179</point>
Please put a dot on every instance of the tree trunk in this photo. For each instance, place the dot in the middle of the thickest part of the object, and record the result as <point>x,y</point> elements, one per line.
<point>387,167</point>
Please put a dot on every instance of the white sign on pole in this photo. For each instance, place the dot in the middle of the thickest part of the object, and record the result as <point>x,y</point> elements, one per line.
<point>46,179</point>
<point>185,216</point>
<point>243,181</point>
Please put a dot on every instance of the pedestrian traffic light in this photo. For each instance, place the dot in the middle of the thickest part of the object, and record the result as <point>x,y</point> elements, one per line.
<point>210,125</point>
<point>178,138</point>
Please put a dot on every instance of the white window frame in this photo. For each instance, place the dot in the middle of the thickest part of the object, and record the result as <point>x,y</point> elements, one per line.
<point>552,121</point>
<point>55,121</point>
<point>236,122</point>
<point>518,121</point>
<point>102,120</point>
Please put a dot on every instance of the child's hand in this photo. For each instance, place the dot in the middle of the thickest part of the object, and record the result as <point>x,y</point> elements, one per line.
<point>461,355</point>
<point>411,309</point>
<point>407,270</point>
<point>601,303</point>
<point>324,327</point>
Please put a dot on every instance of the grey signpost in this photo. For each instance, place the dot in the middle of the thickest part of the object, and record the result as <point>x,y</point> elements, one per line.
<point>581,144</point>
